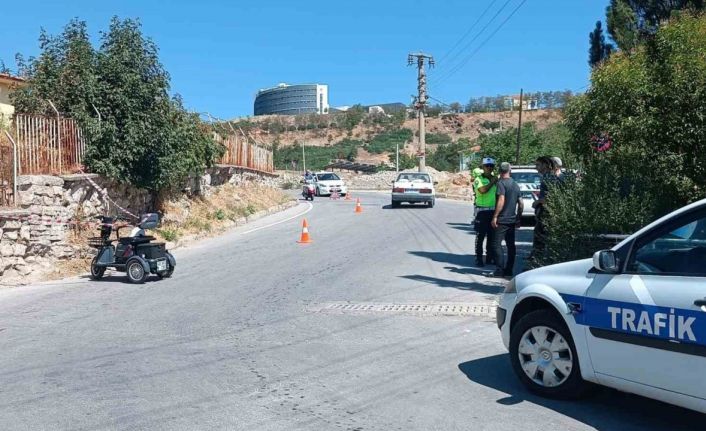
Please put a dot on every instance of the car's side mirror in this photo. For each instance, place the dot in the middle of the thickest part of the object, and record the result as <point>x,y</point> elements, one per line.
<point>606,261</point>
<point>436,182</point>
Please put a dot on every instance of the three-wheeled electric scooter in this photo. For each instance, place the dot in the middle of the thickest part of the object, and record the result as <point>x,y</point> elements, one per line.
<point>136,255</point>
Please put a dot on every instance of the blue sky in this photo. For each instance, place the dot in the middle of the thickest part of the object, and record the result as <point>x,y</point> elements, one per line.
<point>220,53</point>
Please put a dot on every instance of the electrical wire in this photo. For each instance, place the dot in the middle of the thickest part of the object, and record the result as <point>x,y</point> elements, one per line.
<point>485,27</point>
<point>467,32</point>
<point>474,52</point>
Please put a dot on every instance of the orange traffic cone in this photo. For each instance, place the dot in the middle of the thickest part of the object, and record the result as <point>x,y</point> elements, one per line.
<point>358,208</point>
<point>305,234</point>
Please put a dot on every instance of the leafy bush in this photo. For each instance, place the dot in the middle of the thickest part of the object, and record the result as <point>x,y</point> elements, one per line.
<point>316,157</point>
<point>437,139</point>
<point>406,161</point>
<point>553,141</point>
<point>387,141</point>
<point>491,125</point>
<point>219,215</point>
<point>169,234</point>
<point>648,104</point>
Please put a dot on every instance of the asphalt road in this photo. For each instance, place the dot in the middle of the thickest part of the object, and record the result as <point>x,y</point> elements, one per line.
<point>244,337</point>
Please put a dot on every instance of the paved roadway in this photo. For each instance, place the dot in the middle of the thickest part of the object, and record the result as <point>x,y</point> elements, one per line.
<point>237,339</point>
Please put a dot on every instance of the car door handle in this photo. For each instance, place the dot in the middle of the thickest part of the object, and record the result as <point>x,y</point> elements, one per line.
<point>700,302</point>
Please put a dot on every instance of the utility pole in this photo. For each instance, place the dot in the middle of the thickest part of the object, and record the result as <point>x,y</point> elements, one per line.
<point>519,132</point>
<point>397,158</point>
<point>421,58</point>
<point>303,157</point>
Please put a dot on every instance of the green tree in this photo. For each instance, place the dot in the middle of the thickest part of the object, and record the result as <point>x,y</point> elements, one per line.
<point>632,21</point>
<point>64,73</point>
<point>552,141</point>
<point>353,116</point>
<point>622,24</point>
<point>144,137</point>
<point>648,105</point>
<point>599,50</point>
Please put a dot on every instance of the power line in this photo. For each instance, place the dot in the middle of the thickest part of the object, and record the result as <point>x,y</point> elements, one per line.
<point>470,56</point>
<point>439,101</point>
<point>485,27</point>
<point>468,32</point>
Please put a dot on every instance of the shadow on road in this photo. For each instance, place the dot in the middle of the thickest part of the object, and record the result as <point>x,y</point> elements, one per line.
<point>607,409</point>
<point>443,257</point>
<point>461,285</point>
<point>403,207</point>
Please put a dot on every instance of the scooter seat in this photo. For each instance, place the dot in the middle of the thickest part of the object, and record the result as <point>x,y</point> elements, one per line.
<point>136,239</point>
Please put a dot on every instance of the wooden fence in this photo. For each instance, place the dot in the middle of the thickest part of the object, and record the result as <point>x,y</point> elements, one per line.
<point>48,145</point>
<point>55,146</point>
<point>241,153</point>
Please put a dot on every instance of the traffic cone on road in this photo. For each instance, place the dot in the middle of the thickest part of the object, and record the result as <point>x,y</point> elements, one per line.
<point>348,197</point>
<point>305,234</point>
<point>358,208</point>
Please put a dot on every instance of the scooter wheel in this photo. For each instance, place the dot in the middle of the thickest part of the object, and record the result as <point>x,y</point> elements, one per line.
<point>135,271</point>
<point>96,271</point>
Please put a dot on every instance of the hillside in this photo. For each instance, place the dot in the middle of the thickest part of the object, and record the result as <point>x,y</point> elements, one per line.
<point>379,134</point>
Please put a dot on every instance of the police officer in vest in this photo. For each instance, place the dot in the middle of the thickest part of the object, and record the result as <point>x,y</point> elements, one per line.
<point>485,189</point>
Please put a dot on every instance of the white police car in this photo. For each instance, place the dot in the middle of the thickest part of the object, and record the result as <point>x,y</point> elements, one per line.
<point>633,318</point>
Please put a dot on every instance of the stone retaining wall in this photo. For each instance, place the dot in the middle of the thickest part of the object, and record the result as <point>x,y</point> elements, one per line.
<point>34,235</point>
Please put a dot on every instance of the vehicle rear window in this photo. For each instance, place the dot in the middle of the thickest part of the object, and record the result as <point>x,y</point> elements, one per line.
<point>424,178</point>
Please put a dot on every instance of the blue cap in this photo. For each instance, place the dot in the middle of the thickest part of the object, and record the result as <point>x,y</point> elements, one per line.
<point>488,161</point>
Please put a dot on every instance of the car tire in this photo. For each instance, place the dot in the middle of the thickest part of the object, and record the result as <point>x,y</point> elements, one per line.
<point>97,272</point>
<point>136,273</point>
<point>430,204</point>
<point>530,361</point>
<point>394,204</point>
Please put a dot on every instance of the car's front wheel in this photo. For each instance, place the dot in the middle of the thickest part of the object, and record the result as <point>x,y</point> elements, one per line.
<point>544,357</point>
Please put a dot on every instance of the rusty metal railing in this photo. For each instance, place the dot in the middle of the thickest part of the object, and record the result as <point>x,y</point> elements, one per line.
<point>48,145</point>
<point>240,152</point>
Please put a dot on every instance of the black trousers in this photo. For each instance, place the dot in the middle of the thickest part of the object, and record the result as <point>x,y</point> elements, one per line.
<point>504,232</point>
<point>539,241</point>
<point>483,231</point>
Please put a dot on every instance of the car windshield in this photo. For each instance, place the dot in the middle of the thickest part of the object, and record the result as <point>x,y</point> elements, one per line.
<point>526,177</point>
<point>419,178</point>
<point>327,177</point>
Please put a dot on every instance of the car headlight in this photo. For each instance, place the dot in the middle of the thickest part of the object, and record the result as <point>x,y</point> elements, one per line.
<point>510,288</point>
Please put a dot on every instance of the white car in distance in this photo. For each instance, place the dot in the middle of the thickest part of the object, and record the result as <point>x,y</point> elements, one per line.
<point>327,183</point>
<point>413,187</point>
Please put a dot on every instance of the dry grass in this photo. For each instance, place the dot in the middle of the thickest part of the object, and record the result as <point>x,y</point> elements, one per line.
<point>218,211</point>
<point>197,217</point>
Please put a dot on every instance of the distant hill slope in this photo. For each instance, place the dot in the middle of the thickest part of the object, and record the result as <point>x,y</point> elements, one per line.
<point>328,130</point>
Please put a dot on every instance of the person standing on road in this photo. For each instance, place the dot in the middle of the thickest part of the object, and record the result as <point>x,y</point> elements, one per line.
<point>506,218</point>
<point>484,187</point>
<point>547,169</point>
<point>475,173</point>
